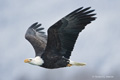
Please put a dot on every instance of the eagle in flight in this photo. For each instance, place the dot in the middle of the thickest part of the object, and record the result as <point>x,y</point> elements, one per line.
<point>54,50</point>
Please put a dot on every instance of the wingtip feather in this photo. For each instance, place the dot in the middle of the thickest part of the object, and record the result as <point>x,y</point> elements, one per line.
<point>35,25</point>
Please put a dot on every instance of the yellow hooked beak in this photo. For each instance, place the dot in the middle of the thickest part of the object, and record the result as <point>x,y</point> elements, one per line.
<point>26,60</point>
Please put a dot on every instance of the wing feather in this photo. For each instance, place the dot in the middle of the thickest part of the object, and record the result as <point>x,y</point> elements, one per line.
<point>63,34</point>
<point>37,38</point>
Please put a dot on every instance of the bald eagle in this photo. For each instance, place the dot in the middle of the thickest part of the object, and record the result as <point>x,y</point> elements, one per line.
<point>53,51</point>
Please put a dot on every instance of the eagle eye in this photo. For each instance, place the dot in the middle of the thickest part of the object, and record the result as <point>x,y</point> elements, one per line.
<point>30,59</point>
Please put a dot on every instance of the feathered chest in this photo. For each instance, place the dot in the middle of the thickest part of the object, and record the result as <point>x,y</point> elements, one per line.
<point>54,61</point>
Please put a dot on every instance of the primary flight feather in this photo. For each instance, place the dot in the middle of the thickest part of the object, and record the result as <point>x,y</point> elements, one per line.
<point>54,50</point>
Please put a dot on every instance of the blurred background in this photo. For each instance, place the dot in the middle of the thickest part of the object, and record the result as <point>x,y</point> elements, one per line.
<point>98,45</point>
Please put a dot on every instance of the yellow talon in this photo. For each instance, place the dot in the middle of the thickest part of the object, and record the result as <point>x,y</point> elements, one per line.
<point>69,65</point>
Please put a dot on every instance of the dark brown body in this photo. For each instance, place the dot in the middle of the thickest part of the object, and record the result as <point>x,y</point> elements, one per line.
<point>54,61</point>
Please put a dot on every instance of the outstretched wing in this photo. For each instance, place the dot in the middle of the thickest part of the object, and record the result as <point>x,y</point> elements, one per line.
<point>37,38</point>
<point>63,34</point>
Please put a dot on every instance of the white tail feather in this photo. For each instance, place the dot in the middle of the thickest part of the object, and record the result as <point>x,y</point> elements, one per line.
<point>76,63</point>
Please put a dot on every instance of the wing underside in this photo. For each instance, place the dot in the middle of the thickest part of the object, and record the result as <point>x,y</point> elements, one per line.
<point>37,38</point>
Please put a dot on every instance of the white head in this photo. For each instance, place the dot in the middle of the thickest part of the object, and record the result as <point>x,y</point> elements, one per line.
<point>34,61</point>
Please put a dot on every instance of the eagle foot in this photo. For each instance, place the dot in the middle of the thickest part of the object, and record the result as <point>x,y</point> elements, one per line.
<point>69,65</point>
